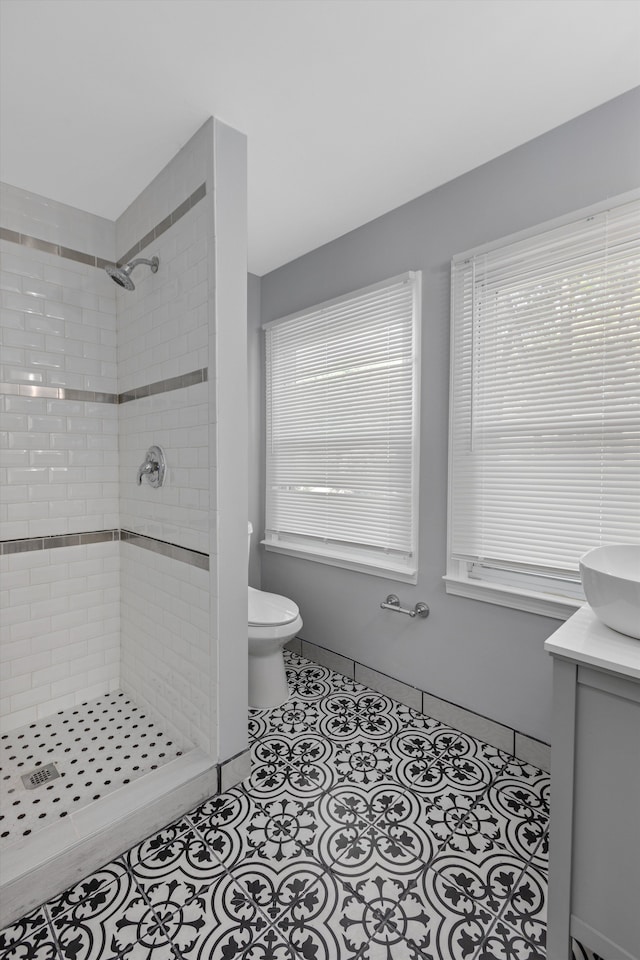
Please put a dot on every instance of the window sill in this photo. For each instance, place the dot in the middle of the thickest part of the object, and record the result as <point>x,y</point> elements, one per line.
<point>360,564</point>
<point>544,604</point>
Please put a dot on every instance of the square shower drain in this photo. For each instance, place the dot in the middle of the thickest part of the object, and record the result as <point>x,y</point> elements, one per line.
<point>39,776</point>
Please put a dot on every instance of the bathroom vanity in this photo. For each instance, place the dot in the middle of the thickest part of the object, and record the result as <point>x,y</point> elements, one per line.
<point>594,867</point>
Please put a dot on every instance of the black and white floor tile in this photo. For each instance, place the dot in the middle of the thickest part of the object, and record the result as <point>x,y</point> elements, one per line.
<point>96,747</point>
<point>366,831</point>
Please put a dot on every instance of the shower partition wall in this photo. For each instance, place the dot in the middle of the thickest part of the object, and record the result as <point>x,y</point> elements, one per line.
<point>113,590</point>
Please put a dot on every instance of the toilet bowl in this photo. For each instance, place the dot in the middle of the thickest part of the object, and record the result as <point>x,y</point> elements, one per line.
<point>273,621</point>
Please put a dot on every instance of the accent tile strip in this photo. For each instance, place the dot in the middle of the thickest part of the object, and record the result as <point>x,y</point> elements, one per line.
<point>60,540</point>
<point>91,396</point>
<point>164,225</point>
<point>193,557</point>
<point>163,386</point>
<point>57,393</point>
<point>35,243</point>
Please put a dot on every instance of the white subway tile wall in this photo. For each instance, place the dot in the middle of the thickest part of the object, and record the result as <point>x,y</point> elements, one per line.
<point>163,332</point>
<point>166,641</point>
<point>59,467</point>
<point>65,324</point>
<point>59,638</point>
<point>59,629</point>
<point>59,327</point>
<point>177,512</point>
<point>163,324</point>
<point>55,222</point>
<point>175,182</point>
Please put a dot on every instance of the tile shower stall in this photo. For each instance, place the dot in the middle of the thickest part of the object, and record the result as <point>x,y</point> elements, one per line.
<point>112,594</point>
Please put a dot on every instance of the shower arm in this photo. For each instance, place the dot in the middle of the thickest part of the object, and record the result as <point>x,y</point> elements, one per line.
<point>150,263</point>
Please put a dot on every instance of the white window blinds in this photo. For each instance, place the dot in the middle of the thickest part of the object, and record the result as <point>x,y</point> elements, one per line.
<point>342,388</point>
<point>545,417</point>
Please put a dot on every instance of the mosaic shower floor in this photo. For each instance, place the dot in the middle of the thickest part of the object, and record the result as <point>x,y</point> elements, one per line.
<point>96,748</point>
<point>366,831</point>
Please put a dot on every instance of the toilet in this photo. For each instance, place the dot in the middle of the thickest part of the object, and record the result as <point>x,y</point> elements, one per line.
<point>273,621</point>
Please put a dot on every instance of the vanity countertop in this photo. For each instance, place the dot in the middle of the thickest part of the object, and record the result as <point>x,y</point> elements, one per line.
<point>587,640</point>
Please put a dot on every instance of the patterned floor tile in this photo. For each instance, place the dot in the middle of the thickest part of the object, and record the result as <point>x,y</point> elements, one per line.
<point>295,661</point>
<point>309,682</point>
<point>348,715</point>
<point>362,761</point>
<point>342,684</point>
<point>505,943</point>
<point>156,841</point>
<point>273,830</point>
<point>269,776</point>
<point>188,863</point>
<point>92,888</point>
<point>304,766</point>
<point>22,929</point>
<point>221,922</point>
<point>515,767</point>
<point>431,777</point>
<point>416,750</point>
<point>472,749</point>
<point>151,948</point>
<point>274,889</point>
<point>37,945</point>
<point>443,817</point>
<point>490,879</point>
<point>526,911</point>
<point>106,926</point>
<point>531,789</point>
<point>258,724</point>
<point>331,922</point>
<point>366,831</point>
<point>215,806</point>
<point>434,916</point>
<point>270,946</point>
<point>487,828</point>
<point>291,719</point>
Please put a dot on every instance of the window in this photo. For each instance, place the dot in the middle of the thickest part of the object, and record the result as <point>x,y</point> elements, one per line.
<point>342,402</point>
<point>545,409</point>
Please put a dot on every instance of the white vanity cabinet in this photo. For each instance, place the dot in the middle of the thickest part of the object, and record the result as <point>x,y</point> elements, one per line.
<point>594,856</point>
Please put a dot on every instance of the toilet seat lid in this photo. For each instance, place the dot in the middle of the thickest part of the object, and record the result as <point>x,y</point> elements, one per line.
<point>269,609</point>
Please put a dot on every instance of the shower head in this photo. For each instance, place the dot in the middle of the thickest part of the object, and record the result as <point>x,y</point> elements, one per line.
<point>122,275</point>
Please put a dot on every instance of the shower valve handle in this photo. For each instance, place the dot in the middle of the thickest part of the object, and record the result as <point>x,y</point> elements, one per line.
<point>153,468</point>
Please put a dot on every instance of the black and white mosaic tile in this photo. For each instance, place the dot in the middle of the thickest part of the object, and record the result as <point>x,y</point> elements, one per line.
<point>96,747</point>
<point>366,831</point>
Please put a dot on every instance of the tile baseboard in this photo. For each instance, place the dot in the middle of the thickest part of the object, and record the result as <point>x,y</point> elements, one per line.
<point>533,751</point>
<point>396,689</point>
<point>327,658</point>
<point>483,728</point>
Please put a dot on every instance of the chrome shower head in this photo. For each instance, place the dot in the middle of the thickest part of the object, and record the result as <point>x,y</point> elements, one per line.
<point>122,275</point>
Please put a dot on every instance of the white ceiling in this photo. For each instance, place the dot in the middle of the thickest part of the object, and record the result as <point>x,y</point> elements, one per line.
<point>351,107</point>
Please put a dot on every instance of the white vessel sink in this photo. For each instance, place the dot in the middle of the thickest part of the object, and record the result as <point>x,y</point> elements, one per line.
<point>611,581</point>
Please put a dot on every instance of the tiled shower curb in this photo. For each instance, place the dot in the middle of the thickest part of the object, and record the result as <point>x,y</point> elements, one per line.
<point>498,735</point>
<point>45,863</point>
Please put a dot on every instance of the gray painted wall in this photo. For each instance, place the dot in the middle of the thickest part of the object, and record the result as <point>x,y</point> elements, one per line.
<point>483,657</point>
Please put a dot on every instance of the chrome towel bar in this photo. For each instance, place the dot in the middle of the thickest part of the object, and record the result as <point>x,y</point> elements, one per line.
<point>393,603</point>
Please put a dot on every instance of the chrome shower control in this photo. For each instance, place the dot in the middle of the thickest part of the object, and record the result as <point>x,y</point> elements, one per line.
<point>154,467</point>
